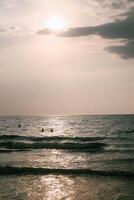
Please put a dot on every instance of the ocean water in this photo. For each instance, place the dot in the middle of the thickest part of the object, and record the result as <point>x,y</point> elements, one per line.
<point>76,157</point>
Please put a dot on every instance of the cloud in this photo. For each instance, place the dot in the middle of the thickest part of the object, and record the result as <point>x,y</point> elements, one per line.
<point>9,29</point>
<point>125,51</point>
<point>118,29</point>
<point>44,31</point>
<point>120,4</point>
<point>3,30</point>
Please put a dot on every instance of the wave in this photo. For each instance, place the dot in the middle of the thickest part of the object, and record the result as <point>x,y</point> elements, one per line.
<point>61,138</point>
<point>52,145</point>
<point>49,138</point>
<point>10,170</point>
<point>16,142</point>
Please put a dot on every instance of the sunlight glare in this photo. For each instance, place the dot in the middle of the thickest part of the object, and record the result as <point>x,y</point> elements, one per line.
<point>56,24</point>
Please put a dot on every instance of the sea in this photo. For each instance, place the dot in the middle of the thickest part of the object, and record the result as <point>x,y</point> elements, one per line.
<point>67,157</point>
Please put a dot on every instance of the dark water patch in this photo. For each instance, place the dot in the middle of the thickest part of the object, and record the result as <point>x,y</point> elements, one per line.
<point>100,150</point>
<point>12,150</point>
<point>124,197</point>
<point>125,160</point>
<point>127,131</point>
<point>121,138</point>
<point>120,161</point>
<point>124,151</point>
<point>9,170</point>
<point>13,137</point>
<point>124,145</point>
<point>113,161</point>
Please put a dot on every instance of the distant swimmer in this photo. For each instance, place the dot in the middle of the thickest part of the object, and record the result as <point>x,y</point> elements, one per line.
<point>42,130</point>
<point>19,125</point>
<point>51,130</point>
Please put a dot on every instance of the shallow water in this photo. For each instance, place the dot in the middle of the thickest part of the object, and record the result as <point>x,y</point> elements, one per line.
<point>85,157</point>
<point>64,187</point>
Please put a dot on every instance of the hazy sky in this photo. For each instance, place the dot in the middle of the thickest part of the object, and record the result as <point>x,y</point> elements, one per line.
<point>85,68</point>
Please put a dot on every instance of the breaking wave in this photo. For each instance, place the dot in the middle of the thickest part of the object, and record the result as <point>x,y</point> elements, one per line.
<point>16,142</point>
<point>9,170</point>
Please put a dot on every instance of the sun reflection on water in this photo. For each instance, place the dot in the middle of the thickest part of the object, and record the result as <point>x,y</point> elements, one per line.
<point>58,187</point>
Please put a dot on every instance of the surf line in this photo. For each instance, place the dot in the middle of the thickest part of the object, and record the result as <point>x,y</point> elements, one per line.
<point>9,170</point>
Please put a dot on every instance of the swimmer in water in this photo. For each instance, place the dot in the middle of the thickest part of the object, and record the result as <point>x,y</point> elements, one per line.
<point>19,125</point>
<point>42,130</point>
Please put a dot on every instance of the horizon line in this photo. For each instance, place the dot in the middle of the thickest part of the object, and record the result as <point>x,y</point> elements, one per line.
<point>63,115</point>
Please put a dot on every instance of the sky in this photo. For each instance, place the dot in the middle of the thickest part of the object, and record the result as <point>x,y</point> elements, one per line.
<point>85,67</point>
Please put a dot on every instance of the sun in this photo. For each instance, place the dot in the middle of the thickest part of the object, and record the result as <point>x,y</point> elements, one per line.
<point>55,24</point>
